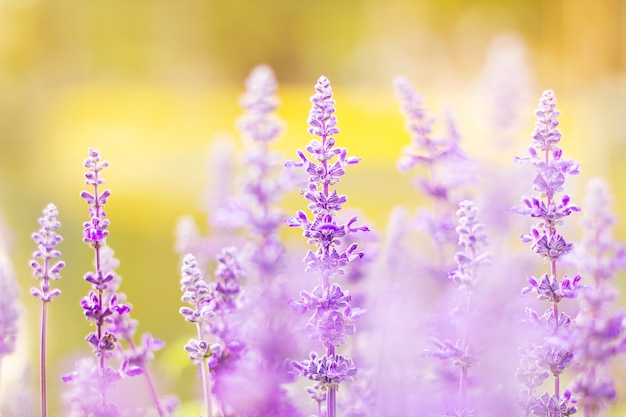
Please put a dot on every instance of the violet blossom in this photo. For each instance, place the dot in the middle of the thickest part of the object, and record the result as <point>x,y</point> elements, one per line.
<point>551,354</point>
<point>333,318</point>
<point>46,268</point>
<point>442,173</point>
<point>100,306</point>
<point>210,305</point>
<point>464,351</point>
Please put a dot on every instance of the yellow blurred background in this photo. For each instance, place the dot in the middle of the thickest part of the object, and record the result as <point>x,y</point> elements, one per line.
<point>152,82</point>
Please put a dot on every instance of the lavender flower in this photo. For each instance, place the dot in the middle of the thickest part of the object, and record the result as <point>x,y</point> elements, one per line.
<point>444,158</point>
<point>599,334</point>
<point>99,306</point>
<point>198,294</point>
<point>443,172</point>
<point>46,269</point>
<point>552,354</point>
<point>464,352</point>
<point>210,304</point>
<point>254,210</point>
<point>9,308</point>
<point>89,384</point>
<point>333,317</point>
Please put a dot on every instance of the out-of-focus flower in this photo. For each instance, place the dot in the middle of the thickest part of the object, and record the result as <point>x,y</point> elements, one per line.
<point>599,333</point>
<point>9,308</point>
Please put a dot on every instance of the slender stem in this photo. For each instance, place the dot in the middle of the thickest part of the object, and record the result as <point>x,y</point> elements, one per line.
<point>331,401</point>
<point>151,386</point>
<point>206,378</point>
<point>331,395</point>
<point>463,386</point>
<point>42,360</point>
<point>557,387</point>
<point>555,312</point>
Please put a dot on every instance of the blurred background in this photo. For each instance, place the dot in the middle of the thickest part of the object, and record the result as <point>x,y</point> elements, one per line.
<point>152,82</point>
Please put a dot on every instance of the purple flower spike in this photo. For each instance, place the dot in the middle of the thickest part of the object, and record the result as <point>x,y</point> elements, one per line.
<point>554,352</point>
<point>95,230</point>
<point>88,385</point>
<point>599,334</point>
<point>46,269</point>
<point>44,266</point>
<point>332,319</point>
<point>472,239</point>
<point>260,102</point>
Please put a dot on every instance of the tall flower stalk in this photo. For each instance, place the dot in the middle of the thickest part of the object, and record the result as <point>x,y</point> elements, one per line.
<point>259,127</point>
<point>442,170</point>
<point>100,306</point>
<point>210,305</point>
<point>333,317</point>
<point>600,333</point>
<point>198,294</point>
<point>463,352</point>
<point>46,269</point>
<point>552,355</point>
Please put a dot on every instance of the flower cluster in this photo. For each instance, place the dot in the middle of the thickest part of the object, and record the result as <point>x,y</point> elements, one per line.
<point>464,352</point>
<point>599,334</point>
<point>46,269</point>
<point>8,306</point>
<point>333,317</point>
<point>43,264</point>
<point>99,306</point>
<point>552,354</point>
<point>472,239</point>
<point>442,174</point>
<point>245,343</point>
<point>444,158</point>
<point>263,185</point>
<point>210,304</point>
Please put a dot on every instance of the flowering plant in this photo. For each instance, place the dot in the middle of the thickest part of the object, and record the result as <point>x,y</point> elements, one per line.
<point>371,318</point>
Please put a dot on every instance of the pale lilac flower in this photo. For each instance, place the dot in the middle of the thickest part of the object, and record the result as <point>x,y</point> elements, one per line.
<point>46,269</point>
<point>442,174</point>
<point>505,81</point>
<point>333,318</point>
<point>260,124</point>
<point>464,352</point>
<point>472,241</point>
<point>88,385</point>
<point>9,307</point>
<point>210,305</point>
<point>446,164</point>
<point>201,298</point>
<point>44,265</point>
<point>599,333</point>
